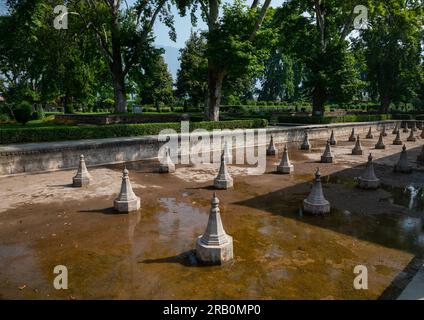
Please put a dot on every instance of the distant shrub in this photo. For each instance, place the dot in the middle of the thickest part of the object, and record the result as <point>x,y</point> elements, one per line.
<point>23,112</point>
<point>38,114</point>
<point>165,109</point>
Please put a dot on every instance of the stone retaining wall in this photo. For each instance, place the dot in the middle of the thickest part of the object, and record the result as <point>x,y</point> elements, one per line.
<point>50,156</point>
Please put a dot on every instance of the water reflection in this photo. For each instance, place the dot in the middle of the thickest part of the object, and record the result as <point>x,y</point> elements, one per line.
<point>411,197</point>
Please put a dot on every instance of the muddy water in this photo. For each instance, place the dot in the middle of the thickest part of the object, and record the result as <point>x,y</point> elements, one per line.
<point>280,253</point>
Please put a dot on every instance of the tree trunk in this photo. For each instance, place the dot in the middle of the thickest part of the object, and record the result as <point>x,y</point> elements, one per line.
<point>116,66</point>
<point>119,93</point>
<point>215,79</point>
<point>385,103</point>
<point>318,101</point>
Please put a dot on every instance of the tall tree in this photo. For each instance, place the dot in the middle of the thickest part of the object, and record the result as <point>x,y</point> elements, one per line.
<point>192,75</point>
<point>231,39</point>
<point>154,84</point>
<point>123,32</point>
<point>278,78</point>
<point>43,64</point>
<point>316,32</point>
<point>393,52</point>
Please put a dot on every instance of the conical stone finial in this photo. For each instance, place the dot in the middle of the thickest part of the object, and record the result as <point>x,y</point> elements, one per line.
<point>405,128</point>
<point>166,165</point>
<point>126,201</point>
<point>414,126</point>
<point>380,144</point>
<point>352,137</point>
<point>223,180</point>
<point>285,166</point>
<point>411,137</point>
<point>368,179</point>
<point>357,150</point>
<point>327,156</point>
<point>305,144</point>
<point>369,134</point>
<point>215,246</point>
<point>396,128</point>
<point>82,178</point>
<point>333,140</point>
<point>403,165</point>
<point>383,131</point>
<point>420,157</point>
<point>397,140</point>
<point>315,203</point>
<point>270,151</point>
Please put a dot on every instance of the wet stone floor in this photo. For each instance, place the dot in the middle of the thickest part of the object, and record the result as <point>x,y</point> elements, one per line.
<point>280,253</point>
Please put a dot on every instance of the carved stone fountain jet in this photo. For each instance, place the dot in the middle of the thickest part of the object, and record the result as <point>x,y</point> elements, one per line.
<point>352,137</point>
<point>82,178</point>
<point>405,128</point>
<point>305,144</point>
<point>333,140</point>
<point>357,150</point>
<point>411,137</point>
<point>126,201</point>
<point>383,131</point>
<point>414,126</point>
<point>396,128</point>
<point>315,203</point>
<point>368,179</point>
<point>215,246</point>
<point>380,144</point>
<point>403,165</point>
<point>270,151</point>
<point>397,140</point>
<point>369,134</point>
<point>223,180</point>
<point>285,167</point>
<point>327,156</point>
<point>166,165</point>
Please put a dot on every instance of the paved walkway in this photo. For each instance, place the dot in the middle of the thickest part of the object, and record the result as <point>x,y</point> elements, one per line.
<point>415,289</point>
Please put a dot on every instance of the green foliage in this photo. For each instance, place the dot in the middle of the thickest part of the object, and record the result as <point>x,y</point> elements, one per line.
<point>38,114</point>
<point>278,78</point>
<point>23,112</point>
<point>192,77</point>
<point>60,133</point>
<point>392,50</point>
<point>154,85</point>
<point>326,65</point>
<point>327,120</point>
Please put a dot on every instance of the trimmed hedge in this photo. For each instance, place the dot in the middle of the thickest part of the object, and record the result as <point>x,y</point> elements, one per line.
<point>62,133</point>
<point>328,120</point>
